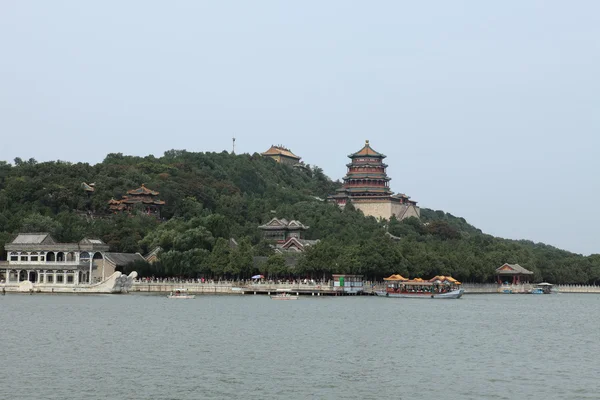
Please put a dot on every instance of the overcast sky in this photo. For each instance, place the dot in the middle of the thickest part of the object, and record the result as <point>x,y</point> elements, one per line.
<point>487,110</point>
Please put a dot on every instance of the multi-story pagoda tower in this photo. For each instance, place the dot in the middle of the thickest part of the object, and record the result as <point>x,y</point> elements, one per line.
<point>366,185</point>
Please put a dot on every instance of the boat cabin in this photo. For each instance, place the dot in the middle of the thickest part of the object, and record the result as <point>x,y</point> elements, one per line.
<point>438,284</point>
<point>543,288</point>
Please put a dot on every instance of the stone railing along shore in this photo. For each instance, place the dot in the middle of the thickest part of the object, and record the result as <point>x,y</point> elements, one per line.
<point>236,288</point>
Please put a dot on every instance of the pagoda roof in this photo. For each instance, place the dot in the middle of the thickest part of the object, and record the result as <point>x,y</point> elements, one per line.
<point>280,151</point>
<point>374,175</point>
<point>367,151</point>
<point>143,190</point>
<point>367,189</point>
<point>367,164</point>
<point>341,194</point>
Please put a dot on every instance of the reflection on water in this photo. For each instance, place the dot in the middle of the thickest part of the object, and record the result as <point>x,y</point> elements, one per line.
<point>215,347</point>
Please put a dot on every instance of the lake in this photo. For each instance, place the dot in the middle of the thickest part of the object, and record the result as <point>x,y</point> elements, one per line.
<point>217,347</point>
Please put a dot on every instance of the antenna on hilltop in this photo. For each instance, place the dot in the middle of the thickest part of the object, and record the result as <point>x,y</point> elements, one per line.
<point>233,151</point>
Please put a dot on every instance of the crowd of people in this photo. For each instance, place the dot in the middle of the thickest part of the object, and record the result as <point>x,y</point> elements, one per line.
<point>219,281</point>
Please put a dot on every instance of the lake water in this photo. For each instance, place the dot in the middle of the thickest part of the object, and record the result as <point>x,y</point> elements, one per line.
<point>219,347</point>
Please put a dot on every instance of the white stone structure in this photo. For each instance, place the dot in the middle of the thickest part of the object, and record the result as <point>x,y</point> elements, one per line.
<point>36,262</point>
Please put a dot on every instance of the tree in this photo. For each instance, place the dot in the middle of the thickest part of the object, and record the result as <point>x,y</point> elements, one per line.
<point>219,261</point>
<point>275,265</point>
<point>40,223</point>
<point>241,260</point>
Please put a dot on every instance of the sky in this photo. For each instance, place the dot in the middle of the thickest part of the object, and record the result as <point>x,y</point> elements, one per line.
<point>486,110</point>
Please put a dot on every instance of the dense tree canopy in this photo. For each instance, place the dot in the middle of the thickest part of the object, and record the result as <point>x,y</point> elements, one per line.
<point>214,197</point>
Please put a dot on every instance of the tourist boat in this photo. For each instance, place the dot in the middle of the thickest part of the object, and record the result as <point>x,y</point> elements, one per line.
<point>283,296</point>
<point>543,288</point>
<point>440,287</point>
<point>180,294</point>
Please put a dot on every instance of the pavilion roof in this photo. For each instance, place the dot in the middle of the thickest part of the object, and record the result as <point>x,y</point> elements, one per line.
<point>280,151</point>
<point>283,224</point>
<point>88,188</point>
<point>136,200</point>
<point>142,190</point>
<point>512,269</point>
<point>366,151</point>
<point>298,244</point>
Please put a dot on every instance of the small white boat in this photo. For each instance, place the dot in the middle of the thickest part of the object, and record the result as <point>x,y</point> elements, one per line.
<point>180,294</point>
<point>543,288</point>
<point>283,296</point>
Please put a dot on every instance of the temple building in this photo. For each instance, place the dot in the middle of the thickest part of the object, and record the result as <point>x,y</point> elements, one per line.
<point>282,155</point>
<point>366,186</point>
<point>147,200</point>
<point>39,259</point>
<point>286,235</point>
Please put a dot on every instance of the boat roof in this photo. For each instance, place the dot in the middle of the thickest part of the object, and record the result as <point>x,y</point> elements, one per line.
<point>544,284</point>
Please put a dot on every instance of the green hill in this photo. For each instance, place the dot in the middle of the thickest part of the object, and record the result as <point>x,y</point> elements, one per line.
<point>212,197</point>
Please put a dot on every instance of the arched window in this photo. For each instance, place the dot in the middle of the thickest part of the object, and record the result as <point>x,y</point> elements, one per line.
<point>33,256</point>
<point>24,257</point>
<point>14,256</point>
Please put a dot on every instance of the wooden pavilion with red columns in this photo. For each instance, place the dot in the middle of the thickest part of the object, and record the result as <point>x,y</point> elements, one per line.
<point>513,273</point>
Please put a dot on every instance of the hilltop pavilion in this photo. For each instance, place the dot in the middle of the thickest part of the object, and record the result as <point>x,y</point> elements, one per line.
<point>143,196</point>
<point>282,155</point>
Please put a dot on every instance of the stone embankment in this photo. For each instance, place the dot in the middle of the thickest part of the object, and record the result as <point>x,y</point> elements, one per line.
<point>482,288</point>
<point>578,289</point>
<point>200,288</point>
<point>325,289</point>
